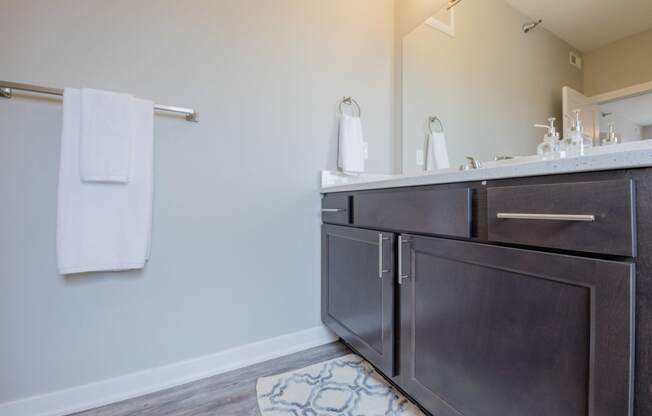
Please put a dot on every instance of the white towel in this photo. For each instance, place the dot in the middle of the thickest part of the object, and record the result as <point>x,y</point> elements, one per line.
<point>104,226</point>
<point>106,136</point>
<point>351,145</point>
<point>436,152</point>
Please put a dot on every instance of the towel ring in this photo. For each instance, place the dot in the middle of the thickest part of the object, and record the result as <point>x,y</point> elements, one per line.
<point>350,102</point>
<point>431,121</point>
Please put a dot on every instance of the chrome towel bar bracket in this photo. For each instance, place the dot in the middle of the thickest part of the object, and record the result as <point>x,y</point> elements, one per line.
<point>435,120</point>
<point>349,101</point>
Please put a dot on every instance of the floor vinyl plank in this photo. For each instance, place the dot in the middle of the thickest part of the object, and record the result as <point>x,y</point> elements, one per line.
<point>228,394</point>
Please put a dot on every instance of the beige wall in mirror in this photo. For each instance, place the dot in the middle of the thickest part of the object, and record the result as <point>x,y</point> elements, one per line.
<point>620,64</point>
<point>489,81</point>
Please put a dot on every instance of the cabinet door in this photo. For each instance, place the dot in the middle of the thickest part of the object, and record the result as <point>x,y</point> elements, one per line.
<point>489,330</point>
<point>358,291</point>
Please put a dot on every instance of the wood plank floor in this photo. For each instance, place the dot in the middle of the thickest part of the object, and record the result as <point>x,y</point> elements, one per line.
<point>228,394</point>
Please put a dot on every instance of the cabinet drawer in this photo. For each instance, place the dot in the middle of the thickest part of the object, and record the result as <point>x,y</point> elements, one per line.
<point>336,209</point>
<point>595,217</point>
<point>442,212</point>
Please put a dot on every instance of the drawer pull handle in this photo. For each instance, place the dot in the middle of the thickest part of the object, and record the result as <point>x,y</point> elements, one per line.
<point>381,270</point>
<point>550,217</point>
<point>333,210</point>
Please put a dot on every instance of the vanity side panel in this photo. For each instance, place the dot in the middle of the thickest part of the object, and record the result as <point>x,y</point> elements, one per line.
<point>643,380</point>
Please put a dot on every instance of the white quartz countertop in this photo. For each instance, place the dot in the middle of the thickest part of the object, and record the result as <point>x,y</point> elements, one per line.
<point>621,156</point>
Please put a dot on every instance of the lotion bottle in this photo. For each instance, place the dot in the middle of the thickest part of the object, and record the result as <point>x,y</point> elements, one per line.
<point>550,144</point>
<point>612,137</point>
<point>576,142</point>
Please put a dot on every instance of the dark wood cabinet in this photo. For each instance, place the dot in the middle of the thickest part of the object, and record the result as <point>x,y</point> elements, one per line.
<point>489,330</point>
<point>517,296</point>
<point>358,291</point>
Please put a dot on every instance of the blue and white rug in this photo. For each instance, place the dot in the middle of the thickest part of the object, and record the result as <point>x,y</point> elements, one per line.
<point>345,386</point>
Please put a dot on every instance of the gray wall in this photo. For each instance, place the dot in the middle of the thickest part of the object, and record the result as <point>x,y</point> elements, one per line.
<point>235,251</point>
<point>489,84</point>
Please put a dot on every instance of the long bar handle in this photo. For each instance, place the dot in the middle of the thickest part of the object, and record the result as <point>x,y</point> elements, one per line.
<point>333,210</point>
<point>381,269</point>
<point>549,217</point>
<point>401,276</point>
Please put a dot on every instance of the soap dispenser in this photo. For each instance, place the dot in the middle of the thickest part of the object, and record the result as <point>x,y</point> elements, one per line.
<point>612,137</point>
<point>550,144</point>
<point>576,141</point>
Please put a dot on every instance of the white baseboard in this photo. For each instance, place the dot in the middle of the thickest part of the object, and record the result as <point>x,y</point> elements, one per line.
<point>88,396</point>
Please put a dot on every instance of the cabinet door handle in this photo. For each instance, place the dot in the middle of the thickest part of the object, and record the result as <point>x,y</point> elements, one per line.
<point>381,238</point>
<point>549,217</point>
<point>333,210</point>
<point>401,276</point>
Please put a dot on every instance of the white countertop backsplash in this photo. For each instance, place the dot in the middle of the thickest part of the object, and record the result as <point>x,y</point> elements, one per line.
<point>621,156</point>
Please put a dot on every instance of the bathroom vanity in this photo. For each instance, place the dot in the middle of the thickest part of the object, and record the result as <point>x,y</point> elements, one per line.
<point>510,287</point>
<point>511,295</point>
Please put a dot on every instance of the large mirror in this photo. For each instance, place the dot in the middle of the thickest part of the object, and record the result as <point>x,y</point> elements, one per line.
<point>478,75</point>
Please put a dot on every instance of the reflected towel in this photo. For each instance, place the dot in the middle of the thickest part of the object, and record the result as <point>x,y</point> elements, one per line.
<point>104,226</point>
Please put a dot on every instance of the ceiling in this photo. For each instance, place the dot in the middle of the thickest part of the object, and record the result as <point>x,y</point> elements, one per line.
<point>589,24</point>
<point>637,109</point>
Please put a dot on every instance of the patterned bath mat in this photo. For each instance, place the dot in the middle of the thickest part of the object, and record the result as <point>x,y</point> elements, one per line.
<point>345,386</point>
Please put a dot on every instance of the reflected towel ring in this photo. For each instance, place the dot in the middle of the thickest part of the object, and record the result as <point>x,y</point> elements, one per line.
<point>350,102</point>
<point>431,121</point>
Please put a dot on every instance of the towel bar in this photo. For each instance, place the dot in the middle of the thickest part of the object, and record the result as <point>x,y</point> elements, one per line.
<point>6,89</point>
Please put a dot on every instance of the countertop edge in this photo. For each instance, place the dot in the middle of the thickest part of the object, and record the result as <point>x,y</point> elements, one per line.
<point>631,159</point>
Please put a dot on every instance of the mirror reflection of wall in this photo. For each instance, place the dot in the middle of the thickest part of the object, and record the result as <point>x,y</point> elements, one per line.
<point>488,81</point>
<point>631,117</point>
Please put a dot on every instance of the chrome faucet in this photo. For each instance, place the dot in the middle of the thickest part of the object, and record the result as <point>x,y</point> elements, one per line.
<point>473,163</point>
